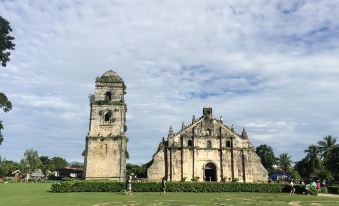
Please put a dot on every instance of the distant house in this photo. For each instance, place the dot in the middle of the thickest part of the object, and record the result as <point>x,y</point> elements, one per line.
<point>279,176</point>
<point>71,172</point>
<point>37,175</point>
<point>17,175</point>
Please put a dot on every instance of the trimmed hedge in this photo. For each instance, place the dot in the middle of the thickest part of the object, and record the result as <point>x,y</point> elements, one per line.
<point>108,186</point>
<point>333,189</point>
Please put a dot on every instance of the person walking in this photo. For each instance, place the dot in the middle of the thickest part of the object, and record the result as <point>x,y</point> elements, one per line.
<point>129,186</point>
<point>292,188</point>
<point>318,186</point>
<point>163,185</point>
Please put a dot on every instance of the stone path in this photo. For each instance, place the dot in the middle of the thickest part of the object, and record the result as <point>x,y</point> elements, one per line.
<point>327,195</point>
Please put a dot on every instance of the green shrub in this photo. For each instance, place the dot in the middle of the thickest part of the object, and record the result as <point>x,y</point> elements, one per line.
<point>195,179</point>
<point>110,186</point>
<point>333,189</point>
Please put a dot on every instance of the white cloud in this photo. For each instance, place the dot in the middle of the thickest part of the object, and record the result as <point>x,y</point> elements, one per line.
<point>268,66</point>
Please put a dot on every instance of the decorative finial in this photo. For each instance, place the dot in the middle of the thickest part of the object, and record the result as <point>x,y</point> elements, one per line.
<point>244,134</point>
<point>193,119</point>
<point>183,125</point>
<point>232,128</point>
<point>170,131</point>
<point>221,119</point>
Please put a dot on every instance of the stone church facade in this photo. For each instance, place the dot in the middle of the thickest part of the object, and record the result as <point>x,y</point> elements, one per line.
<point>207,150</point>
<point>106,144</point>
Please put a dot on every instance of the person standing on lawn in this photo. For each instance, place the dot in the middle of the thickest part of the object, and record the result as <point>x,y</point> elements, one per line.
<point>292,188</point>
<point>129,186</point>
<point>163,185</point>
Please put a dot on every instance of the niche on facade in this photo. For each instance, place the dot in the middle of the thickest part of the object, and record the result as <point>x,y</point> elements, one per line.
<point>228,143</point>
<point>190,143</point>
<point>108,96</point>
<point>209,144</point>
<point>209,132</point>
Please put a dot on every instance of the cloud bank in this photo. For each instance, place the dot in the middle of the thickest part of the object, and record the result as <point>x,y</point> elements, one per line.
<point>271,67</point>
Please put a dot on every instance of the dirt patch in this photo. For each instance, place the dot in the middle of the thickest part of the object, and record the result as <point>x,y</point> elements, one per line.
<point>316,204</point>
<point>294,204</point>
<point>107,203</point>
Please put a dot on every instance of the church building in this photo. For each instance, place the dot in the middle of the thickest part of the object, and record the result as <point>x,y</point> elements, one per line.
<point>106,144</point>
<point>206,150</point>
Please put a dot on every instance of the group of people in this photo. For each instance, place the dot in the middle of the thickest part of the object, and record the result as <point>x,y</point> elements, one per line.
<point>307,187</point>
<point>128,186</point>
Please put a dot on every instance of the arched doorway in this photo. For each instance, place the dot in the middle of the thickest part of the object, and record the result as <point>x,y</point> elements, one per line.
<point>210,172</point>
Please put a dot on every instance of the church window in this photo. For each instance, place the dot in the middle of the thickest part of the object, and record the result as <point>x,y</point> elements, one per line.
<point>209,132</point>
<point>189,143</point>
<point>228,143</point>
<point>108,96</point>
<point>107,118</point>
<point>209,144</point>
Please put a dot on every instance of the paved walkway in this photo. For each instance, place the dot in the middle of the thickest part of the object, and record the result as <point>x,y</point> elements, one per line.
<point>328,195</point>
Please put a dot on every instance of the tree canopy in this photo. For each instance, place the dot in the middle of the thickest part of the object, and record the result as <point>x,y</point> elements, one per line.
<point>312,157</point>
<point>6,44</point>
<point>51,164</point>
<point>285,162</point>
<point>332,162</point>
<point>31,161</point>
<point>6,41</point>
<point>326,145</point>
<point>266,154</point>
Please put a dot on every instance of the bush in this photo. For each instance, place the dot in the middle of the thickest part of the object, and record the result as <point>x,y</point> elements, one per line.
<point>333,189</point>
<point>109,186</point>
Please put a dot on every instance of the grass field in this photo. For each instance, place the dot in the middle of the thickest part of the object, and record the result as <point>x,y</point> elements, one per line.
<point>36,194</point>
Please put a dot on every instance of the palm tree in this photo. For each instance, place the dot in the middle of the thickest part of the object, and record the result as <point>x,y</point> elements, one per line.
<point>313,157</point>
<point>284,161</point>
<point>327,145</point>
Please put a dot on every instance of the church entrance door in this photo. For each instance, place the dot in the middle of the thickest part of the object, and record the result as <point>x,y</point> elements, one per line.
<point>210,172</point>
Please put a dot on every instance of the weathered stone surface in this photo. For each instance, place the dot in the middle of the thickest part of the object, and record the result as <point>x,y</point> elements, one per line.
<point>106,144</point>
<point>204,149</point>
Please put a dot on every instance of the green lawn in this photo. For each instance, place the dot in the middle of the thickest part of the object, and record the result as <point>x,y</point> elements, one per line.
<point>35,194</point>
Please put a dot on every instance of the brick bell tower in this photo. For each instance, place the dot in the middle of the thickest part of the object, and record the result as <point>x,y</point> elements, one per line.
<point>106,143</point>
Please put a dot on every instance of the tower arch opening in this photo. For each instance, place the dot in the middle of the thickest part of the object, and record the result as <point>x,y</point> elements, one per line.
<point>108,96</point>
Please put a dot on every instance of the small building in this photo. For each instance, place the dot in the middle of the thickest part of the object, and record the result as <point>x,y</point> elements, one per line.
<point>37,175</point>
<point>71,172</point>
<point>17,175</point>
<point>280,176</point>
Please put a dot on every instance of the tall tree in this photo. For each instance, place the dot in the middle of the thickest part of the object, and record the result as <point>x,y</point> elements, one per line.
<point>6,44</point>
<point>57,163</point>
<point>5,105</point>
<point>303,168</point>
<point>6,41</point>
<point>313,157</point>
<point>8,166</point>
<point>267,156</point>
<point>285,161</point>
<point>326,145</point>
<point>51,164</point>
<point>332,162</point>
<point>45,164</point>
<point>31,161</point>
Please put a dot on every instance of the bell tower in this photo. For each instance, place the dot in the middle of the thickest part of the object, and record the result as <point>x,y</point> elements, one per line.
<point>106,143</point>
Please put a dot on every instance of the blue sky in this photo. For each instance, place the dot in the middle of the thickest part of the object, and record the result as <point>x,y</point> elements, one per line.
<point>271,67</point>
